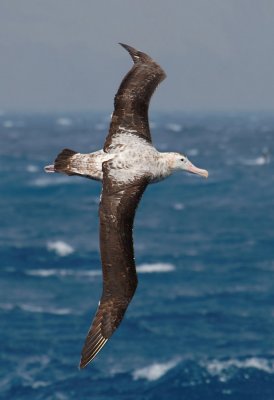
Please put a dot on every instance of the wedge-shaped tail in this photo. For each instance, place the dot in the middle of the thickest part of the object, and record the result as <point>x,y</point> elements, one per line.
<point>71,163</point>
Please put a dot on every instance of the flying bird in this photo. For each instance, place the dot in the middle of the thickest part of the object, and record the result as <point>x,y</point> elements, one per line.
<point>127,163</point>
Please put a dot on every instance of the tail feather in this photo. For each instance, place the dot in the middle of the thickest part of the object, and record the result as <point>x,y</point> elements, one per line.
<point>70,162</point>
<point>63,162</point>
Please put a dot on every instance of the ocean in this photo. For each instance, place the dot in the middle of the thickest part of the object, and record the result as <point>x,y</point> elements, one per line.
<point>201,324</point>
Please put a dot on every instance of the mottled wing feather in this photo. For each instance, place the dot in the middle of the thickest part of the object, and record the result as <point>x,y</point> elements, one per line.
<point>132,99</point>
<point>117,211</point>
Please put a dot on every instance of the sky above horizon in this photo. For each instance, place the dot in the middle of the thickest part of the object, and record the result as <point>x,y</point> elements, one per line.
<point>63,54</point>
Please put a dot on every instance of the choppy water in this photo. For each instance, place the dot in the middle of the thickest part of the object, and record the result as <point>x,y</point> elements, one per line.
<point>201,325</point>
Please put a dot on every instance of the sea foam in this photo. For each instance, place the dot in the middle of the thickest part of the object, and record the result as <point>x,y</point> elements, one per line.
<point>154,371</point>
<point>34,308</point>
<point>61,248</point>
<point>226,369</point>
<point>53,181</point>
<point>62,272</point>
<point>8,124</point>
<point>261,160</point>
<point>44,310</point>
<point>157,267</point>
<point>32,168</point>
<point>62,121</point>
<point>47,273</point>
<point>172,126</point>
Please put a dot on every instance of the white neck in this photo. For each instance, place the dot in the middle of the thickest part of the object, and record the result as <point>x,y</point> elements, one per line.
<point>164,167</point>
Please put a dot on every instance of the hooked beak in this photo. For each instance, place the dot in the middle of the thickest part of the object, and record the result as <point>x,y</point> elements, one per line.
<point>194,170</point>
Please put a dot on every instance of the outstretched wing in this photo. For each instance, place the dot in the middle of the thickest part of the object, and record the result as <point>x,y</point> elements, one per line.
<point>132,99</point>
<point>117,210</point>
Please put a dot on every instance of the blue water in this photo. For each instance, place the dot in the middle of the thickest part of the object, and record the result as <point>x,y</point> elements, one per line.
<point>201,325</point>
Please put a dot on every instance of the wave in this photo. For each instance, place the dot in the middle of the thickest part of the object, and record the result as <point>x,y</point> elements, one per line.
<point>174,127</point>
<point>142,269</point>
<point>192,152</point>
<point>54,181</point>
<point>47,273</point>
<point>30,370</point>
<point>44,310</point>
<point>62,121</point>
<point>32,168</point>
<point>178,206</point>
<point>154,371</point>
<point>100,126</point>
<point>32,308</point>
<point>8,124</point>
<point>61,248</point>
<point>226,369</point>
<point>157,267</point>
<point>262,160</point>
<point>223,370</point>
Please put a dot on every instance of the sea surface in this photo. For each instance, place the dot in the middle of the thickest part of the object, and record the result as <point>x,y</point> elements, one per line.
<point>201,324</point>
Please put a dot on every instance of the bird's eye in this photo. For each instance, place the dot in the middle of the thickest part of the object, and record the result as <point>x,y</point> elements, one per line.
<point>182,159</point>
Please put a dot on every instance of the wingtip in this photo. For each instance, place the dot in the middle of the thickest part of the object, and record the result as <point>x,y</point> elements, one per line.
<point>84,362</point>
<point>135,54</point>
<point>86,358</point>
<point>82,365</point>
<point>127,47</point>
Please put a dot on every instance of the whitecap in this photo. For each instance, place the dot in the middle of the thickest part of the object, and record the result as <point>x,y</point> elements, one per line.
<point>51,272</point>
<point>178,206</point>
<point>42,273</point>
<point>263,159</point>
<point>39,384</point>
<point>154,371</point>
<point>174,127</point>
<point>34,308</point>
<point>60,396</point>
<point>44,310</point>
<point>152,125</point>
<point>225,369</point>
<point>8,124</point>
<point>256,161</point>
<point>61,248</point>
<point>53,181</point>
<point>100,126</point>
<point>29,368</point>
<point>192,152</point>
<point>156,267</point>
<point>62,121</point>
<point>47,273</point>
<point>32,168</point>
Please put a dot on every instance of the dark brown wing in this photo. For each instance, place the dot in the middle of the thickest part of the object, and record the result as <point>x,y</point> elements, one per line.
<point>132,99</point>
<point>117,210</point>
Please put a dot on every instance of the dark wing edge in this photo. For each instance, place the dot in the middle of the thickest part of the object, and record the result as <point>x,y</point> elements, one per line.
<point>109,314</point>
<point>132,100</point>
<point>117,211</point>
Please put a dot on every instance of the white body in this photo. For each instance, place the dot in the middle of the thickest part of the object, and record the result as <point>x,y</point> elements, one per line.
<point>131,158</point>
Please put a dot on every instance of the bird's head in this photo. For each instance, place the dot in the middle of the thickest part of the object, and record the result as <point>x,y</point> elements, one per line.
<point>179,161</point>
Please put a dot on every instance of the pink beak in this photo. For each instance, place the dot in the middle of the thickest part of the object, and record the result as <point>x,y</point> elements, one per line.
<point>194,170</point>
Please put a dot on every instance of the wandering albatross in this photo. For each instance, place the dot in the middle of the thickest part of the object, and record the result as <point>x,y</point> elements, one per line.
<point>126,165</point>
